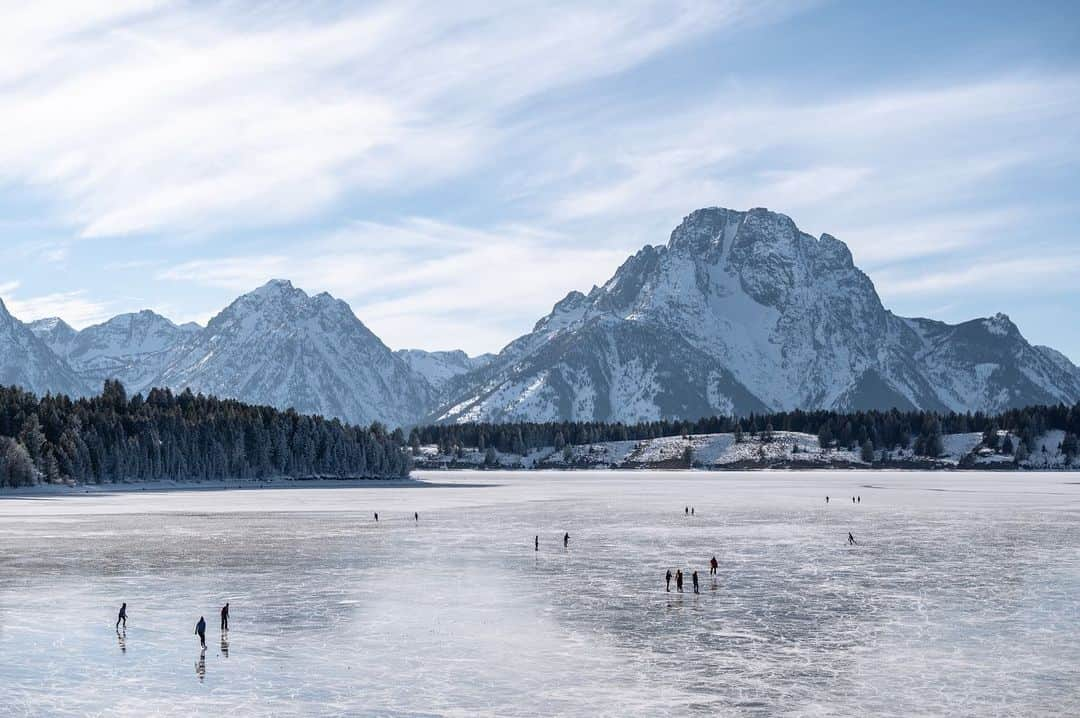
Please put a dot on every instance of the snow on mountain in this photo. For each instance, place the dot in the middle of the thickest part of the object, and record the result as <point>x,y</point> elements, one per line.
<point>54,331</point>
<point>133,348</point>
<point>28,362</point>
<point>281,347</point>
<point>439,367</point>
<point>742,312</point>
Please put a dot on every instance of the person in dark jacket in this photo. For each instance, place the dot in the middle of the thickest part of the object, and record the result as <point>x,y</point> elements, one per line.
<point>565,540</point>
<point>850,539</point>
<point>536,543</point>
<point>667,579</point>
<point>122,616</point>
<point>713,565</point>
<point>225,617</point>
<point>693,577</point>
<point>200,631</point>
<point>678,580</point>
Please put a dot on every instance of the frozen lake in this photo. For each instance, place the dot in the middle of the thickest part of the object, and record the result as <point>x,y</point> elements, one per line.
<point>962,597</point>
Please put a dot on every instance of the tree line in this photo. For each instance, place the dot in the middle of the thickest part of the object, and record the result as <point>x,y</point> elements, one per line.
<point>868,431</point>
<point>184,436</point>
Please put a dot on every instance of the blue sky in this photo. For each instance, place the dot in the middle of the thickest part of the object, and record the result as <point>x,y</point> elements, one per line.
<point>453,171</point>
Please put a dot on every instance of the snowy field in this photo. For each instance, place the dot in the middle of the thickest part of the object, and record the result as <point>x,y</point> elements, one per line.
<point>962,597</point>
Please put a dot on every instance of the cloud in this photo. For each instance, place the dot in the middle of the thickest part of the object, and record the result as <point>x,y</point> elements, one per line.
<point>74,307</point>
<point>145,116</point>
<point>1035,274</point>
<point>907,238</point>
<point>426,284</point>
<point>862,154</point>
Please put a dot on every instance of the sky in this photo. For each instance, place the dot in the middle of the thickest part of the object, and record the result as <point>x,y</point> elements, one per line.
<point>454,169</point>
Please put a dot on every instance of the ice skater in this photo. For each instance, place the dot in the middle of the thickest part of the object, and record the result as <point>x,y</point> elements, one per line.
<point>122,616</point>
<point>376,517</point>
<point>852,499</point>
<point>691,510</point>
<point>693,577</point>
<point>826,499</point>
<point>200,631</point>
<point>860,499</point>
<point>687,510</point>
<point>678,580</point>
<point>713,565</point>
<point>416,516</point>
<point>225,617</point>
<point>536,543</point>
<point>667,579</point>
<point>566,540</point>
<point>851,539</point>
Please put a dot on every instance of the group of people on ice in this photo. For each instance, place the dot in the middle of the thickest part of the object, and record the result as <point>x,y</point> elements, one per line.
<point>678,576</point>
<point>200,626</point>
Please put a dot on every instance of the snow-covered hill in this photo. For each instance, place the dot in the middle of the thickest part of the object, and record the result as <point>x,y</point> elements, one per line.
<point>741,312</point>
<point>279,346</point>
<point>27,361</point>
<point>134,348</point>
<point>783,449</point>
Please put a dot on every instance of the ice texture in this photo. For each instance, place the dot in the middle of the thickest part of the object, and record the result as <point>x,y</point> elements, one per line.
<point>962,597</point>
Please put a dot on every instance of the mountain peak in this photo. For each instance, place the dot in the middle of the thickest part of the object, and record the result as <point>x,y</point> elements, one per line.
<point>704,228</point>
<point>54,331</point>
<point>744,312</point>
<point>1000,325</point>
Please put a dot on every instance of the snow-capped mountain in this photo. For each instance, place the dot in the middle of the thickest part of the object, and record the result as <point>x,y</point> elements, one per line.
<point>28,362</point>
<point>54,331</point>
<point>134,348</point>
<point>439,367</point>
<point>742,312</point>
<point>279,346</point>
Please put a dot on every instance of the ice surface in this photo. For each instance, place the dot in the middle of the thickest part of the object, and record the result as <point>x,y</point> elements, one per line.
<point>962,597</point>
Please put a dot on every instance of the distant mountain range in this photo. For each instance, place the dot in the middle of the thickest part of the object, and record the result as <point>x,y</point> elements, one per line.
<point>739,312</point>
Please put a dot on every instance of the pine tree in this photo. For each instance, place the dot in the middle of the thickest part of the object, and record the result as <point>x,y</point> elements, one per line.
<point>867,451</point>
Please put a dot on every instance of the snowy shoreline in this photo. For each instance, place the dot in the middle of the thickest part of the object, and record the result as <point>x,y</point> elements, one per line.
<point>788,450</point>
<point>210,485</point>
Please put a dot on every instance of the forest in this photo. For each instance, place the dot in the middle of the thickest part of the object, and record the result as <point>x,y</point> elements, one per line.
<point>190,437</point>
<point>889,430</point>
<point>183,437</point>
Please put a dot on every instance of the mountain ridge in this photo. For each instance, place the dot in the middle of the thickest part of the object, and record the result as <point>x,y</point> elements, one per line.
<point>739,312</point>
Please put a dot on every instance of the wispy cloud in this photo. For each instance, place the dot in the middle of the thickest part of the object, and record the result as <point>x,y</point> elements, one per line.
<point>426,283</point>
<point>1035,274</point>
<point>145,116</point>
<point>75,308</point>
<point>866,152</point>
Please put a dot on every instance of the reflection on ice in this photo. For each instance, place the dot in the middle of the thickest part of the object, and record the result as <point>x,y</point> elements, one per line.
<point>960,597</point>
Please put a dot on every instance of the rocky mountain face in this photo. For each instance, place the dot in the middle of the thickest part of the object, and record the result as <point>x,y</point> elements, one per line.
<point>439,367</point>
<point>281,347</point>
<point>742,312</point>
<point>134,348</point>
<point>28,362</point>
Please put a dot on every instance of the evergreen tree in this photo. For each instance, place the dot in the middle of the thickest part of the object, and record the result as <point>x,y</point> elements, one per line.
<point>866,452</point>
